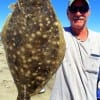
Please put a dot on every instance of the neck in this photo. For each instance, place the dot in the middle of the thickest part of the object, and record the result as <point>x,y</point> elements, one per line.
<point>80,34</point>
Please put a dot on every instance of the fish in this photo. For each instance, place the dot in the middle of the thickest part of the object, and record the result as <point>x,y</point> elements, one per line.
<point>34,45</point>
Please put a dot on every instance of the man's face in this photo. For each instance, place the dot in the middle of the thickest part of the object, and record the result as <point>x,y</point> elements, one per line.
<point>78,14</point>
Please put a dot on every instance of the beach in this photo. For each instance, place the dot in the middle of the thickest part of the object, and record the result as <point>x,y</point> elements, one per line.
<point>8,89</point>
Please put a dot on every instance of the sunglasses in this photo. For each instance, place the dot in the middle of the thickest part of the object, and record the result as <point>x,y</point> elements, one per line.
<point>81,9</point>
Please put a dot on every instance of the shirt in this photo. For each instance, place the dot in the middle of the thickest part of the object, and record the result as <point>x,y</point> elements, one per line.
<point>76,78</point>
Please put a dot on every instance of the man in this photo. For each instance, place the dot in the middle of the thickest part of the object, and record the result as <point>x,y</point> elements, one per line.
<point>76,79</point>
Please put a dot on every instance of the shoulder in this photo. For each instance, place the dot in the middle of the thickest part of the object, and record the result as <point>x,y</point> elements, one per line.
<point>94,37</point>
<point>94,33</point>
<point>68,36</point>
<point>67,31</point>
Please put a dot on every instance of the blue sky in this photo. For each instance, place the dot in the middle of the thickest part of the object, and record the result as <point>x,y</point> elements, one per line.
<point>60,10</point>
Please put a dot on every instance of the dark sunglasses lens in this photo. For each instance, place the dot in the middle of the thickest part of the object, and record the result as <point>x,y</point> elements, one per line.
<point>83,9</point>
<point>74,9</point>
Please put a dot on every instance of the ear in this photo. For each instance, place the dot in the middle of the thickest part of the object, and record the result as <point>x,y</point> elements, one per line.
<point>67,13</point>
<point>89,12</point>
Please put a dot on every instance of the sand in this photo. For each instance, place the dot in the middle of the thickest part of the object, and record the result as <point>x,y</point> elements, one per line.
<point>8,89</point>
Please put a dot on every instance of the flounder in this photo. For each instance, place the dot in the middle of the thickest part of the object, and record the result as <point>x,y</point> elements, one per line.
<point>34,45</point>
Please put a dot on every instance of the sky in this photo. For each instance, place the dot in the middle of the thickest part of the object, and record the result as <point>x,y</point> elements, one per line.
<point>60,10</point>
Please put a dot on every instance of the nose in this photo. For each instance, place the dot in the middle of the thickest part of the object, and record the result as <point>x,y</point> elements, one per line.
<point>77,13</point>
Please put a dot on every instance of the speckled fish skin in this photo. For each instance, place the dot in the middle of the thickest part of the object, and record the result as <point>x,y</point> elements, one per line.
<point>34,45</point>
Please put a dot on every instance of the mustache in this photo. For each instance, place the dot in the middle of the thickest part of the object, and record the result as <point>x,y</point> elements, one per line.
<point>78,17</point>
